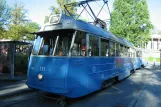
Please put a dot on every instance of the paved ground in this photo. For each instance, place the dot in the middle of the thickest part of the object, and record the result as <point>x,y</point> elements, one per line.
<point>151,94</point>
<point>142,89</point>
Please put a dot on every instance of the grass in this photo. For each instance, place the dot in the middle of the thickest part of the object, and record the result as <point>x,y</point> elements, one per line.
<point>152,59</point>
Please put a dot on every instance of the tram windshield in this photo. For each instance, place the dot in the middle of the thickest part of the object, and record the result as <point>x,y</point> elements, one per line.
<point>55,43</point>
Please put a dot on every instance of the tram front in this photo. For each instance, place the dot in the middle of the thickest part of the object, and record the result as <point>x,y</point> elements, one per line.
<point>49,59</point>
<point>58,62</point>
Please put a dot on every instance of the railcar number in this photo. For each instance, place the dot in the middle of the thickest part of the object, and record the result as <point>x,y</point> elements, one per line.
<point>42,68</point>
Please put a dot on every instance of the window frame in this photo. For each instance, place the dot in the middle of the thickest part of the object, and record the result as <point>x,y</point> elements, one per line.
<point>98,44</point>
<point>100,47</point>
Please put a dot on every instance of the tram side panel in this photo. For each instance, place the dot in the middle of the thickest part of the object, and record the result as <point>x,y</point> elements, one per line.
<point>78,80</point>
<point>144,62</point>
<point>86,75</point>
<point>138,62</point>
<point>108,68</point>
<point>47,74</point>
<point>74,77</point>
<point>125,66</point>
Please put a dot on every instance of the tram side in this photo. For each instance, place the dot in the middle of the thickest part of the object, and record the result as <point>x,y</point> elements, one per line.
<point>91,61</point>
<point>141,55</point>
<point>74,62</point>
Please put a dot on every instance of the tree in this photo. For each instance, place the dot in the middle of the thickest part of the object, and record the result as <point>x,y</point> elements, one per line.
<point>18,14</point>
<point>20,26</point>
<point>31,27</point>
<point>15,32</point>
<point>130,20</point>
<point>4,17</point>
<point>19,31</point>
<point>4,13</point>
<point>61,9</point>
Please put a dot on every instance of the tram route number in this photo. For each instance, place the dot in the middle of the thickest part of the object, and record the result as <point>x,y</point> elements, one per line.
<point>42,68</point>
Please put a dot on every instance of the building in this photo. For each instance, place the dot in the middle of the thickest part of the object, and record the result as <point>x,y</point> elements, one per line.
<point>155,43</point>
<point>153,47</point>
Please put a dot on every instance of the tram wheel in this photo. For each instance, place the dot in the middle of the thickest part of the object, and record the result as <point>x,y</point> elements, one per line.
<point>103,86</point>
<point>133,71</point>
<point>142,66</point>
<point>108,83</point>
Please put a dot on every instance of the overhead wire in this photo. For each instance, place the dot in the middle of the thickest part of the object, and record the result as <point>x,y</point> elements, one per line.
<point>81,12</point>
<point>88,13</point>
<point>100,6</point>
<point>87,16</point>
<point>100,9</point>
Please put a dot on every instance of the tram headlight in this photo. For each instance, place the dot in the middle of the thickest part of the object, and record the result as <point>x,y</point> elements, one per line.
<point>40,76</point>
<point>54,19</point>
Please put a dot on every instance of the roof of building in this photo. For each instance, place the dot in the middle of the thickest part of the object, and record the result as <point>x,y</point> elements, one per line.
<point>155,36</point>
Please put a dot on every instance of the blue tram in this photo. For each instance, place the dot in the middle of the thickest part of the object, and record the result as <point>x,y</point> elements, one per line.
<point>141,58</point>
<point>73,58</point>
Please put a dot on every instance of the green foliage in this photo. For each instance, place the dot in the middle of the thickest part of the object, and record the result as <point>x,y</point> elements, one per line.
<point>21,61</point>
<point>17,32</point>
<point>4,17</point>
<point>61,9</point>
<point>18,14</point>
<point>130,20</point>
<point>31,27</point>
<point>4,13</point>
<point>19,25</point>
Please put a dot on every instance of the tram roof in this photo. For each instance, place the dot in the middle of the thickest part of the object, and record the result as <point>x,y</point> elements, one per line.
<point>68,22</point>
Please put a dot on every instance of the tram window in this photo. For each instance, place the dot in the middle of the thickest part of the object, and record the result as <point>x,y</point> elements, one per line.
<point>47,46</point>
<point>63,44</point>
<point>138,54</point>
<point>112,48</point>
<point>125,51</point>
<point>129,52</point>
<point>121,51</point>
<point>93,46</point>
<point>117,49</point>
<point>104,47</point>
<point>79,46</point>
<point>37,44</point>
<point>55,43</point>
<point>134,53</point>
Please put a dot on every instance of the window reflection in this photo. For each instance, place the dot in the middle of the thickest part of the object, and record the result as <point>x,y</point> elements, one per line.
<point>79,46</point>
<point>56,43</point>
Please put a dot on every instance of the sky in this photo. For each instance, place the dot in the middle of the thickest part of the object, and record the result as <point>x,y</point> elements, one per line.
<point>38,9</point>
